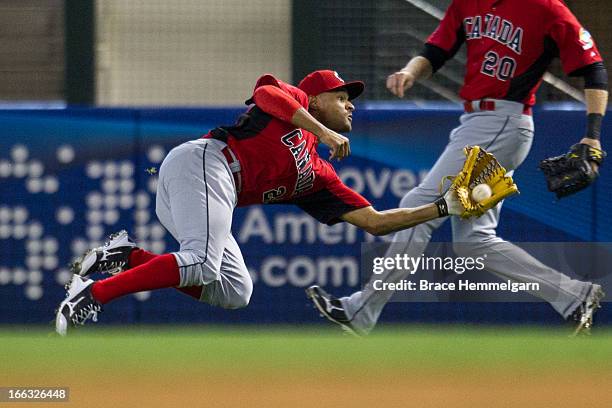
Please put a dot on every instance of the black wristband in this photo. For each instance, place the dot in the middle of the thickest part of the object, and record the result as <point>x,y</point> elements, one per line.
<point>442,207</point>
<point>594,125</point>
<point>435,55</point>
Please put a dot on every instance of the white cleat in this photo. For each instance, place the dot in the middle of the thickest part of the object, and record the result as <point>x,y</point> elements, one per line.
<point>78,307</point>
<point>111,258</point>
<point>584,314</point>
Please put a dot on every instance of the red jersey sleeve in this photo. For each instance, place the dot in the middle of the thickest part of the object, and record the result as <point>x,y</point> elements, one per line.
<point>296,93</point>
<point>577,48</point>
<point>276,102</point>
<point>330,203</point>
<point>449,33</point>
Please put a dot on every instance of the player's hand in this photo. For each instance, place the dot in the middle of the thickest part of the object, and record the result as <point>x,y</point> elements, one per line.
<point>593,143</point>
<point>339,146</point>
<point>400,81</point>
<point>453,204</point>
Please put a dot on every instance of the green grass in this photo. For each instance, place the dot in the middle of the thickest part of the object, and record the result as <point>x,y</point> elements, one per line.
<point>228,350</point>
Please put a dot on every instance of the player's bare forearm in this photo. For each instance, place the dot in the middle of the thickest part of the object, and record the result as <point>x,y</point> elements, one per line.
<point>596,100</point>
<point>304,120</point>
<point>404,79</point>
<point>596,103</point>
<point>339,145</point>
<point>419,67</point>
<point>388,221</point>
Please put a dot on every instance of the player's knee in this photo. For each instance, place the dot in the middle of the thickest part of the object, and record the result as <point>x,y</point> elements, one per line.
<point>474,244</point>
<point>194,269</point>
<point>237,302</point>
<point>245,294</point>
<point>238,299</point>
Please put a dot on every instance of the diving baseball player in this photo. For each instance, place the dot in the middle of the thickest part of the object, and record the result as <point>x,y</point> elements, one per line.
<point>268,157</point>
<point>510,44</point>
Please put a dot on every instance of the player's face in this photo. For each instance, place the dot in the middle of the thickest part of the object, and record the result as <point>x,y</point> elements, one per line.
<point>335,111</point>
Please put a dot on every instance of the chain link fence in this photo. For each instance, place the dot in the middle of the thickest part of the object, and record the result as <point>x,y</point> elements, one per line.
<point>191,52</point>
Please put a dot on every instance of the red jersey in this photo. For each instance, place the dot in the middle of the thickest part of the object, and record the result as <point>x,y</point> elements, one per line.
<point>280,164</point>
<point>510,44</point>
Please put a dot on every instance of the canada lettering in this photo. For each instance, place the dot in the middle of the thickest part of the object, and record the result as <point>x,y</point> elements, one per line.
<point>495,28</point>
<point>298,148</point>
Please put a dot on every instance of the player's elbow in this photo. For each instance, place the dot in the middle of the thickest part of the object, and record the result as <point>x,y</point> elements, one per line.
<point>376,225</point>
<point>381,230</point>
<point>368,219</point>
<point>372,230</point>
<point>376,230</point>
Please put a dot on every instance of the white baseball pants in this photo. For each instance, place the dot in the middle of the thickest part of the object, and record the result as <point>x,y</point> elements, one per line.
<point>508,134</point>
<point>196,197</point>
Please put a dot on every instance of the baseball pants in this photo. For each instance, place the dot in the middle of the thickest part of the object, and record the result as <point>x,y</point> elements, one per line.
<point>508,134</point>
<point>196,197</point>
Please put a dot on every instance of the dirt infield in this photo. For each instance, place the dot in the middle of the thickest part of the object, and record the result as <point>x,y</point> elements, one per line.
<point>368,388</point>
<point>449,369</point>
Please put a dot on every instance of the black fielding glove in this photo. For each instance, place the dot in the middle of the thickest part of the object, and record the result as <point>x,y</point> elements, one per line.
<point>572,172</point>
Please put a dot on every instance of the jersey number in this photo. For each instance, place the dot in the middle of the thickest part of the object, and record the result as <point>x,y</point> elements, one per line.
<point>273,195</point>
<point>502,69</point>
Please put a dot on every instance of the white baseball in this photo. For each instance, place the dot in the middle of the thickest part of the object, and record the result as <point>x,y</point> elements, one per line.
<point>481,192</point>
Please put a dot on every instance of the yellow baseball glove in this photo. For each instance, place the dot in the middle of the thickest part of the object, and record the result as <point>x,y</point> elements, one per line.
<point>479,167</point>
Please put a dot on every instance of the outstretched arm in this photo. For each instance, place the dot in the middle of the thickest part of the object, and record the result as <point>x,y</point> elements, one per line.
<point>397,219</point>
<point>386,222</point>
<point>479,167</point>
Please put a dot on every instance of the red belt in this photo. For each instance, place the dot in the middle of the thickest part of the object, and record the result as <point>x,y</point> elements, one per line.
<point>234,166</point>
<point>485,105</point>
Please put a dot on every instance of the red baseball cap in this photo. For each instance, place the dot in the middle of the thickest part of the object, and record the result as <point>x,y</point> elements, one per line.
<point>326,80</point>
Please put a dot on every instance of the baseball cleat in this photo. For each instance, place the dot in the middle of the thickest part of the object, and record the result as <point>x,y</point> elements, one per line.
<point>78,307</point>
<point>584,314</point>
<point>109,258</point>
<point>331,308</point>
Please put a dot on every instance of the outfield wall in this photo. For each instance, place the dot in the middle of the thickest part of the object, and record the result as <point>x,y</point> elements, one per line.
<point>70,177</point>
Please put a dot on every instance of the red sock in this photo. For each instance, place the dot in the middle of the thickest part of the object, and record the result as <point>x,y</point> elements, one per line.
<point>139,256</point>
<point>160,272</point>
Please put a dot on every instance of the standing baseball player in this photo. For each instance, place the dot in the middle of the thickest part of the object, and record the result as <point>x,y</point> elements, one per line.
<point>268,157</point>
<point>508,51</point>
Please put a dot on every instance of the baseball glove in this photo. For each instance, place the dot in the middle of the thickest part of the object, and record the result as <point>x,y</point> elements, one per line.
<point>572,172</point>
<point>479,167</point>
